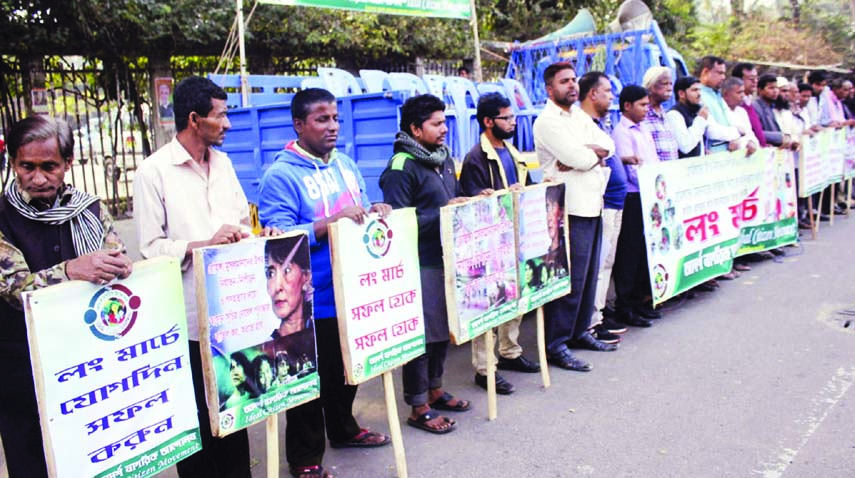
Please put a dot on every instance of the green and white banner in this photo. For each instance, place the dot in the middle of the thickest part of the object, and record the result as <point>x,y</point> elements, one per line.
<point>700,213</point>
<point>417,8</point>
<point>826,158</point>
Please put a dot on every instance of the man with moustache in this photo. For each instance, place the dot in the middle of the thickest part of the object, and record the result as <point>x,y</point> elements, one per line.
<point>494,164</point>
<point>747,72</point>
<point>572,149</point>
<point>688,118</point>
<point>659,84</point>
<point>309,186</point>
<point>711,75</point>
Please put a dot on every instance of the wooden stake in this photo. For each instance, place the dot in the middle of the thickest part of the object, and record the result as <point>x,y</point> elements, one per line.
<point>818,213</point>
<point>848,196</point>
<point>273,446</point>
<point>492,411</point>
<point>541,348</point>
<point>394,425</point>
<point>832,203</point>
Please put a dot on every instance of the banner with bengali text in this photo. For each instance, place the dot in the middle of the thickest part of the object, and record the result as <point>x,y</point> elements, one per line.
<point>543,258</point>
<point>378,293</point>
<point>478,244</point>
<point>418,8</point>
<point>700,213</point>
<point>112,372</point>
<point>826,158</point>
<point>257,328</point>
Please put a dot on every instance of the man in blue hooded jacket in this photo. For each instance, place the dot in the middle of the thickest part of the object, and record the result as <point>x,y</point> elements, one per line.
<point>310,185</point>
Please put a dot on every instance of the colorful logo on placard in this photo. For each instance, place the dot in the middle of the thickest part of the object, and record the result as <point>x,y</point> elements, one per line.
<point>112,312</point>
<point>377,238</point>
<point>660,280</point>
<point>227,421</point>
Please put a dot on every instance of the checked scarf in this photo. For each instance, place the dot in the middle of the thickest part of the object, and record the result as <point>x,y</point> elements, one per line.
<point>405,143</point>
<point>87,232</point>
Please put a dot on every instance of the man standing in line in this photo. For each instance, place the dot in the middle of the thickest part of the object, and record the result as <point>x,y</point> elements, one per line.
<point>494,164</point>
<point>767,87</point>
<point>595,98</point>
<point>636,148</point>
<point>660,85</point>
<point>572,149</point>
<point>688,118</point>
<point>747,72</point>
<point>421,174</point>
<point>186,196</point>
<point>712,74</point>
<point>309,186</point>
<point>49,233</point>
<point>732,92</point>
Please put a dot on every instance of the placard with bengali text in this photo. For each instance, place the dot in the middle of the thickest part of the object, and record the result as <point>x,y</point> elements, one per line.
<point>257,328</point>
<point>112,373</point>
<point>378,293</point>
<point>479,253</point>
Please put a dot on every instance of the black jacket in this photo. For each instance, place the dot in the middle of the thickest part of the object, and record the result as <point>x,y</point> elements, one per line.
<point>482,169</point>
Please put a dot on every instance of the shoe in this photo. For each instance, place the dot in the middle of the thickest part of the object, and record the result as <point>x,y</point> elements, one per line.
<point>804,225</point>
<point>602,334</point>
<point>706,287</point>
<point>568,361</point>
<point>778,252</point>
<point>647,312</point>
<point>609,312</point>
<point>839,211</point>
<point>613,326</point>
<point>729,276</point>
<point>740,267</point>
<point>503,387</point>
<point>824,217</point>
<point>629,317</point>
<point>519,364</point>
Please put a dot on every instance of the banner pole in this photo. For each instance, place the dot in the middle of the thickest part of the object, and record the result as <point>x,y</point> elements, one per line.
<point>818,213</point>
<point>848,195</point>
<point>810,216</point>
<point>541,349</point>
<point>492,412</point>
<point>832,203</point>
<point>394,425</point>
<point>244,85</point>
<point>272,446</point>
<point>477,61</point>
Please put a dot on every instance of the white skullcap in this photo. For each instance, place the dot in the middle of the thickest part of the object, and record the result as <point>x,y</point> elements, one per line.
<point>654,73</point>
<point>782,82</point>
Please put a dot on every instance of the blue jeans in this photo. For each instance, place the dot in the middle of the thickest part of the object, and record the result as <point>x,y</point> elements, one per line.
<point>568,317</point>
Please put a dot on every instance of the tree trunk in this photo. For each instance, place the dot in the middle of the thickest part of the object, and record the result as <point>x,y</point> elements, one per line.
<point>797,12</point>
<point>159,67</point>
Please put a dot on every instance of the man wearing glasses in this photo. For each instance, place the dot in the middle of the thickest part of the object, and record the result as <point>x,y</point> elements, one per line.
<point>495,164</point>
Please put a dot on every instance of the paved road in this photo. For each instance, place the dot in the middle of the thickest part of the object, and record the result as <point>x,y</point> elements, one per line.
<point>754,380</point>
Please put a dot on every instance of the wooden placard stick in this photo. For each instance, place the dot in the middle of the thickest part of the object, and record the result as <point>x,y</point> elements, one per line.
<point>394,425</point>
<point>272,446</point>
<point>541,348</point>
<point>849,194</point>
<point>831,204</point>
<point>819,213</point>
<point>492,411</point>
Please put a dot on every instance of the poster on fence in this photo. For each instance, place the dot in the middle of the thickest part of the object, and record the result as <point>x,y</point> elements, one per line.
<point>378,293</point>
<point>480,264</point>
<point>543,259</point>
<point>258,338</point>
<point>112,373</point>
<point>767,216</point>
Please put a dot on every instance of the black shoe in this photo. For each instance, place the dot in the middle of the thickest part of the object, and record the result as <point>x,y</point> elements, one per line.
<point>613,326</point>
<point>648,312</point>
<point>568,361</point>
<point>629,317</point>
<point>603,335</point>
<point>588,342</point>
<point>804,225</point>
<point>608,312</point>
<point>706,287</point>
<point>503,387</point>
<point>778,252</point>
<point>519,364</point>
<point>839,211</point>
<point>824,217</point>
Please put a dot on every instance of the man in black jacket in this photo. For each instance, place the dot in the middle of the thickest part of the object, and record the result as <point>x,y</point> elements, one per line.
<point>495,164</point>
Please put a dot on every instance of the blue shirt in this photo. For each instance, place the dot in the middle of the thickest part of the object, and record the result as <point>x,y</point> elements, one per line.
<point>615,194</point>
<point>508,165</point>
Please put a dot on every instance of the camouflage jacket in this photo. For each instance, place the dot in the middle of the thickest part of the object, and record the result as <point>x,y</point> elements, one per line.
<point>16,276</point>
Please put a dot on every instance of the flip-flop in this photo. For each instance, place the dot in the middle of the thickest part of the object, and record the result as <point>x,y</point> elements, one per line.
<point>421,423</point>
<point>443,403</point>
<point>362,440</point>
<point>312,471</point>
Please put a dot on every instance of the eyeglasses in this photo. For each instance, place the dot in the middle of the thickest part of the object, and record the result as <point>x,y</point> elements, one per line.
<point>509,118</point>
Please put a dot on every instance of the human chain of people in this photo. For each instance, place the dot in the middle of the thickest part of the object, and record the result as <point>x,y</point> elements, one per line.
<point>337,290</point>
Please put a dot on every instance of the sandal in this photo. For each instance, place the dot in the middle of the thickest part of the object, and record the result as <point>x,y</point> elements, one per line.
<point>316,471</point>
<point>421,423</point>
<point>444,403</point>
<point>363,440</point>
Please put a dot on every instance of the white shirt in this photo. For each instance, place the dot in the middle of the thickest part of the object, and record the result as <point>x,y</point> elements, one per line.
<point>560,137</point>
<point>739,119</point>
<point>176,202</point>
<point>687,137</point>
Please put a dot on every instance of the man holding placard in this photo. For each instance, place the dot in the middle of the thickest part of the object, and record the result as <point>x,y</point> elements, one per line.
<point>421,174</point>
<point>309,186</point>
<point>494,164</point>
<point>49,233</point>
<point>187,196</point>
<point>572,149</point>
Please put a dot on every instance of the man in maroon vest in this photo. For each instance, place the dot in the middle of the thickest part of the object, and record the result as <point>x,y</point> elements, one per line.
<point>49,233</point>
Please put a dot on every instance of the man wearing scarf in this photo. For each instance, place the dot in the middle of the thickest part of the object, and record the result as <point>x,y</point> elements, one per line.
<point>49,233</point>
<point>421,174</point>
